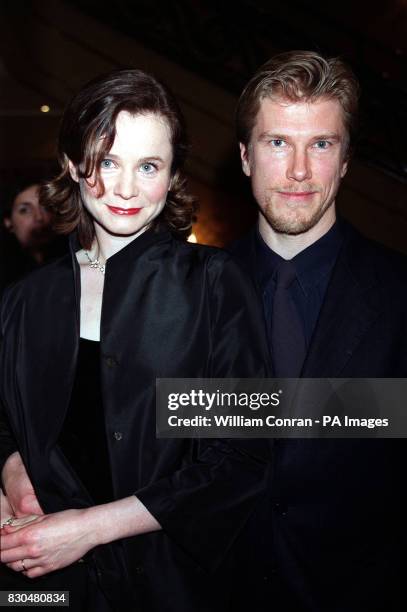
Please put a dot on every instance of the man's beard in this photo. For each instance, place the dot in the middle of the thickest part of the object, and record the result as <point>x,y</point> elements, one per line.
<point>295,223</point>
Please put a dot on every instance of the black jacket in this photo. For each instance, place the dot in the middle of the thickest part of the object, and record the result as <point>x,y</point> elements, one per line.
<point>330,533</point>
<point>170,309</point>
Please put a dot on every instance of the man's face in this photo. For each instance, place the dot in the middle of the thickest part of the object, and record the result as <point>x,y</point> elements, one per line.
<point>136,175</point>
<point>296,159</point>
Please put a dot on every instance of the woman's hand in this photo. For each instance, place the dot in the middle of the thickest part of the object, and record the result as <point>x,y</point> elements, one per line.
<point>6,511</point>
<point>19,490</point>
<point>53,541</point>
<point>47,543</point>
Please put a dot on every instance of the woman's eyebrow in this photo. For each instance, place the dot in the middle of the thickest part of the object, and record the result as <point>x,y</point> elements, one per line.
<point>140,160</point>
<point>151,158</point>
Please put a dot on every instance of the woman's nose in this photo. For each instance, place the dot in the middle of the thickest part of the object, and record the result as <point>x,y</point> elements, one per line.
<point>126,186</point>
<point>41,216</point>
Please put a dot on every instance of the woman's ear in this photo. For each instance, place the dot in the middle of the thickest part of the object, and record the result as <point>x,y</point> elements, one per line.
<point>8,224</point>
<point>73,171</point>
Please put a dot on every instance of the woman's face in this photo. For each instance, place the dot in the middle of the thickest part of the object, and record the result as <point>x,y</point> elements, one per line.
<point>136,175</point>
<point>29,221</point>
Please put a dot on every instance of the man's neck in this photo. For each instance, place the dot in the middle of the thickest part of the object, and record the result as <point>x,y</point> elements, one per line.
<point>287,245</point>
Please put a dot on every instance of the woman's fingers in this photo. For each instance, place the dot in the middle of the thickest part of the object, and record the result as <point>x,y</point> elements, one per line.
<point>35,572</point>
<point>13,536</point>
<point>22,565</point>
<point>30,504</point>
<point>18,523</point>
<point>17,543</point>
<point>18,487</point>
<point>50,541</point>
<point>6,511</point>
<point>14,555</point>
<point>28,567</point>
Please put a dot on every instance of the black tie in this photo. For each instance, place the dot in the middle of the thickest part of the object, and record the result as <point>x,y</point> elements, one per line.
<point>287,335</point>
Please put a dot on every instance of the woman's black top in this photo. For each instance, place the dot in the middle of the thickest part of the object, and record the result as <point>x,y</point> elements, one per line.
<point>83,436</point>
<point>171,309</point>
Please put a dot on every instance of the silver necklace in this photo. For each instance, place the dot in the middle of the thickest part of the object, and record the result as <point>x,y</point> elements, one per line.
<point>95,263</point>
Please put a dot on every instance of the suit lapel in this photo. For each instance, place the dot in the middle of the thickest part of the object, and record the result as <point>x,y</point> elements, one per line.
<point>348,312</point>
<point>351,306</point>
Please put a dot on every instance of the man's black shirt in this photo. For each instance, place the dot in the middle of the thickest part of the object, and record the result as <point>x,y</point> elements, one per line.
<point>313,267</point>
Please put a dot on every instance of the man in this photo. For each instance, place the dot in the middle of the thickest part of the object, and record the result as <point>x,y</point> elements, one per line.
<point>330,533</point>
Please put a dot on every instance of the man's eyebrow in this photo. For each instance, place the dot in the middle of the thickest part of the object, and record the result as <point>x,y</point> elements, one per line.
<point>272,135</point>
<point>327,136</point>
<point>279,136</point>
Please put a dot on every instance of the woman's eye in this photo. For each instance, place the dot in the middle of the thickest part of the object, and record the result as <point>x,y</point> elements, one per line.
<point>106,164</point>
<point>148,168</point>
<point>24,209</point>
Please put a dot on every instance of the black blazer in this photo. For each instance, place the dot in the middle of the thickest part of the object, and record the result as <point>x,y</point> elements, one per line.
<point>330,533</point>
<point>170,309</point>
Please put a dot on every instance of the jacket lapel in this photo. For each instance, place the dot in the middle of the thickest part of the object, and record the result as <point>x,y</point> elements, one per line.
<point>351,306</point>
<point>50,334</point>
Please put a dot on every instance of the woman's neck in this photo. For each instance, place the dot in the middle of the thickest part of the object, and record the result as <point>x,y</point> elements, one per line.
<point>106,245</point>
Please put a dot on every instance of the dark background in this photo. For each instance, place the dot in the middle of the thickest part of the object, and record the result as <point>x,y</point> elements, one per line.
<point>206,51</point>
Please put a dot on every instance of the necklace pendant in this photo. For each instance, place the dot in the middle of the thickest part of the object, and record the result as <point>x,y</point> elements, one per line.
<point>95,263</point>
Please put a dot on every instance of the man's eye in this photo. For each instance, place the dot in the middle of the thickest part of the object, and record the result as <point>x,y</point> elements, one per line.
<point>277,142</point>
<point>106,164</point>
<point>148,168</point>
<point>322,144</point>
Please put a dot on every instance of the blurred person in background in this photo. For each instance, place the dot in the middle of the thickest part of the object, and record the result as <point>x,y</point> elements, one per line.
<point>27,237</point>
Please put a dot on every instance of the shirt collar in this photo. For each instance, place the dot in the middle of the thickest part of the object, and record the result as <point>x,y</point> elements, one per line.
<point>133,248</point>
<point>312,264</point>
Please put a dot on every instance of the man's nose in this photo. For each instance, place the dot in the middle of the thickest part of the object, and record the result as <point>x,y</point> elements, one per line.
<point>126,185</point>
<point>299,167</point>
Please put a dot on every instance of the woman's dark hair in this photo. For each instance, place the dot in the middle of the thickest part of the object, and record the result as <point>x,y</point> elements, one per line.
<point>87,133</point>
<point>16,180</point>
<point>11,192</point>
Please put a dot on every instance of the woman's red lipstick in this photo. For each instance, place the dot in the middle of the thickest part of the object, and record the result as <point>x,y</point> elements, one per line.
<point>123,211</point>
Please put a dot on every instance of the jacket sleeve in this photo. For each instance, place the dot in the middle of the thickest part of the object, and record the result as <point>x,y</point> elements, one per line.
<point>7,441</point>
<point>204,506</point>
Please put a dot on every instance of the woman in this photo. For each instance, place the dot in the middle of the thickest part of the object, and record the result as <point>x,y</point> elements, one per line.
<point>26,236</point>
<point>84,340</point>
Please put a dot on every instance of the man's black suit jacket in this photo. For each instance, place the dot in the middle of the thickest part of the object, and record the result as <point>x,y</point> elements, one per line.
<point>330,533</point>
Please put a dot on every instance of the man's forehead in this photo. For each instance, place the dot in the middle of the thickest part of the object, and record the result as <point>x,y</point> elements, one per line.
<point>300,116</point>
